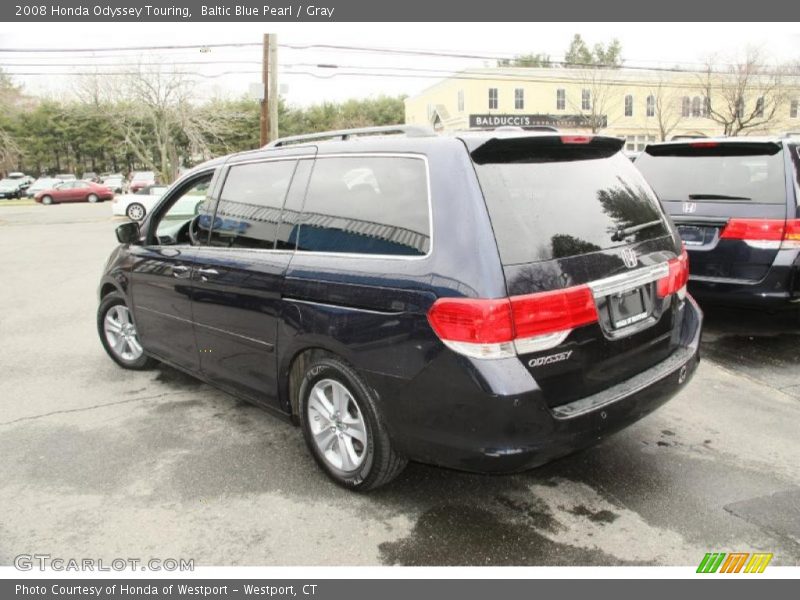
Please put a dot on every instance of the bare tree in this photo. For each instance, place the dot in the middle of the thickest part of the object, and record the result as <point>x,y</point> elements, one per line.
<point>597,98</point>
<point>666,108</point>
<point>153,111</point>
<point>744,95</point>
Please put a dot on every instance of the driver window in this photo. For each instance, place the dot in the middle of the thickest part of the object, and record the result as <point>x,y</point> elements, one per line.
<point>172,228</point>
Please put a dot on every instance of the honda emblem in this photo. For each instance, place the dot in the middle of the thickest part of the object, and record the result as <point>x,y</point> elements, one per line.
<point>689,207</point>
<point>629,258</point>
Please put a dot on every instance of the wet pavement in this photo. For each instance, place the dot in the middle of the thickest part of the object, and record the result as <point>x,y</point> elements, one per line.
<point>103,462</point>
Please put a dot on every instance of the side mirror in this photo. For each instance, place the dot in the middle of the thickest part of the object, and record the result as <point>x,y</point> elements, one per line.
<point>128,233</point>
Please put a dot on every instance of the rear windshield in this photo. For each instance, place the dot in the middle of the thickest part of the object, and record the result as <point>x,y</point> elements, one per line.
<point>748,173</point>
<point>547,204</point>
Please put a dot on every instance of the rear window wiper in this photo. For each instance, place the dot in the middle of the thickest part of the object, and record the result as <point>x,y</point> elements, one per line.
<point>716,197</point>
<point>623,232</point>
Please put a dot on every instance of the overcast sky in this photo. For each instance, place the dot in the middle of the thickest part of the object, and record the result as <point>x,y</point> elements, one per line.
<point>644,44</point>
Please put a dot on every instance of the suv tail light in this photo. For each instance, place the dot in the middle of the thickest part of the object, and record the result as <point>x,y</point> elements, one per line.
<point>676,279</point>
<point>764,233</point>
<point>499,328</point>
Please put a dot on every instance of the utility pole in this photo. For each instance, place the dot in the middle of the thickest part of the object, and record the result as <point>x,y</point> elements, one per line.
<point>265,81</point>
<point>273,87</point>
<point>269,78</point>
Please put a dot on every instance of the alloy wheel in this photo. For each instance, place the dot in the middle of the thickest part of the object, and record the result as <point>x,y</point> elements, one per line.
<point>337,425</point>
<point>121,333</point>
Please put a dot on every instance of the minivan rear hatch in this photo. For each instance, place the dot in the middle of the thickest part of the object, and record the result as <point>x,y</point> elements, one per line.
<point>728,199</point>
<point>587,252</point>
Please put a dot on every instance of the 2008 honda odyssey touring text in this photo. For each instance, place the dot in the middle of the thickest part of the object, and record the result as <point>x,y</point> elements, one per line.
<point>487,301</point>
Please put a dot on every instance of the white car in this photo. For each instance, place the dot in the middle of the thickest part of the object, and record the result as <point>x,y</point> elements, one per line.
<point>136,206</point>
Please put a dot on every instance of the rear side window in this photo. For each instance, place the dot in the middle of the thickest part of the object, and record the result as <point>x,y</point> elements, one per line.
<point>250,204</point>
<point>716,172</point>
<point>550,200</point>
<point>366,205</point>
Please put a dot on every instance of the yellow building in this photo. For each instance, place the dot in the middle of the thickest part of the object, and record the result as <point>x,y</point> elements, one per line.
<point>639,105</point>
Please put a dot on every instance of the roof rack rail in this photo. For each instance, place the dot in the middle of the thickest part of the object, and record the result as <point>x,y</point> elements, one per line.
<point>343,134</point>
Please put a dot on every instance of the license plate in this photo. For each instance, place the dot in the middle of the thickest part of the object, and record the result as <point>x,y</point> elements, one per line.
<point>696,236</point>
<point>628,308</point>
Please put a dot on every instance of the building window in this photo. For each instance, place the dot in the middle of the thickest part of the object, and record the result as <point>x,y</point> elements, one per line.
<point>460,100</point>
<point>793,109</point>
<point>740,108</point>
<point>628,105</point>
<point>561,99</point>
<point>586,99</point>
<point>686,106</point>
<point>519,99</point>
<point>760,107</point>
<point>706,106</point>
<point>697,107</point>
<point>492,98</point>
<point>651,106</point>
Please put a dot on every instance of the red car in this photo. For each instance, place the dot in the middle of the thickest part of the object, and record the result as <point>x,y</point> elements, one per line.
<point>140,179</point>
<point>75,191</point>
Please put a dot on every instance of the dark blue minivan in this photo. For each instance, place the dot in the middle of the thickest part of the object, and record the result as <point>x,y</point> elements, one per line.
<point>736,204</point>
<point>486,301</point>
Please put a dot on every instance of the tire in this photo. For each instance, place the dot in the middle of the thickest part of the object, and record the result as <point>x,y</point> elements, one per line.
<point>48,200</point>
<point>135,211</point>
<point>92,198</point>
<point>373,462</point>
<point>128,353</point>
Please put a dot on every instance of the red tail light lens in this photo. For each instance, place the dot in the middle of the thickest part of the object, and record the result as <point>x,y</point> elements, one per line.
<point>754,229</point>
<point>487,328</point>
<point>677,278</point>
<point>475,321</point>
<point>548,312</point>
<point>703,144</point>
<point>791,236</point>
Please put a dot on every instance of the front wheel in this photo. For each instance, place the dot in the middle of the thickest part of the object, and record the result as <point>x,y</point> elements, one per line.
<point>118,334</point>
<point>92,198</point>
<point>47,200</point>
<point>342,427</point>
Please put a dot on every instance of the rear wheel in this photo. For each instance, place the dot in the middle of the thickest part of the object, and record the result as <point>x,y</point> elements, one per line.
<point>343,429</point>
<point>135,211</point>
<point>92,198</point>
<point>118,334</point>
<point>47,200</point>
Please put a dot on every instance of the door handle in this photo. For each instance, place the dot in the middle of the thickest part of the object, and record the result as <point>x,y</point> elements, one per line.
<point>206,273</point>
<point>180,271</point>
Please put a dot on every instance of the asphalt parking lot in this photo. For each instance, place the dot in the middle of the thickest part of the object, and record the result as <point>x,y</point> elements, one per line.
<point>102,462</point>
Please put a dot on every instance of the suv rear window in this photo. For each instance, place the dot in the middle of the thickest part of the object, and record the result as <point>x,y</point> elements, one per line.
<point>716,172</point>
<point>367,205</point>
<point>551,200</point>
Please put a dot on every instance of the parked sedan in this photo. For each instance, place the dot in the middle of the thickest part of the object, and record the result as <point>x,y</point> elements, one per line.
<point>12,188</point>
<point>42,184</point>
<point>74,191</point>
<point>136,206</point>
<point>141,179</point>
<point>116,182</point>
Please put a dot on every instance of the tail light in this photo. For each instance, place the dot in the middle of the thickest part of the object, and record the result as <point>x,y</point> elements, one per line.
<point>676,279</point>
<point>791,236</point>
<point>499,328</point>
<point>764,233</point>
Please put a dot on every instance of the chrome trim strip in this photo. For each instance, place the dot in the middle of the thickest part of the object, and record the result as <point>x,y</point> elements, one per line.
<point>238,335</point>
<point>343,307</point>
<point>624,282</point>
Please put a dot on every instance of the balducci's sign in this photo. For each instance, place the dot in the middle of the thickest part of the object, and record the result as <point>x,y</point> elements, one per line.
<point>500,120</point>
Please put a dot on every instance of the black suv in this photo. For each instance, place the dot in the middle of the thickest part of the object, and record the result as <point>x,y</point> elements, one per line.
<point>735,202</point>
<point>487,301</point>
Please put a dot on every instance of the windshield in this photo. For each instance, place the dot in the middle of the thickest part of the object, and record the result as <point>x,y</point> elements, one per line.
<point>578,202</point>
<point>749,173</point>
<point>7,181</point>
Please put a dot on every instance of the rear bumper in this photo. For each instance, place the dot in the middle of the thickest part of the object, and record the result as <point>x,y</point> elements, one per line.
<point>490,416</point>
<point>779,289</point>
